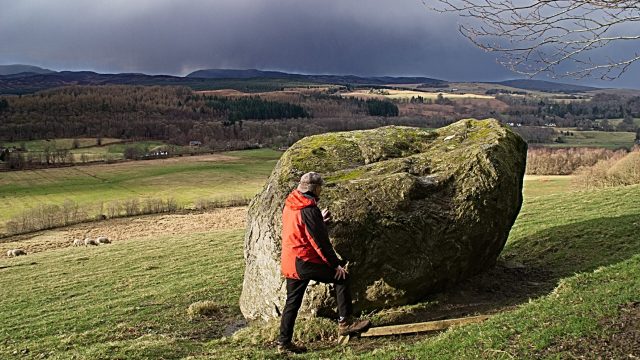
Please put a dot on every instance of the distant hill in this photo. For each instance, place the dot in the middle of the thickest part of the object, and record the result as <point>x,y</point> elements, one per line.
<point>29,82</point>
<point>21,69</point>
<point>242,80</point>
<point>323,79</point>
<point>546,86</point>
<point>25,83</point>
<point>237,74</point>
<point>24,79</point>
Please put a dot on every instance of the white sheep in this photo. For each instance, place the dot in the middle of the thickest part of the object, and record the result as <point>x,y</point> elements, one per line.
<point>78,242</point>
<point>103,240</point>
<point>16,252</point>
<point>89,241</point>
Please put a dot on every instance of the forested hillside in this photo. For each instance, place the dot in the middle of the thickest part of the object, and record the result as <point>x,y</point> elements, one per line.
<point>234,120</point>
<point>179,115</point>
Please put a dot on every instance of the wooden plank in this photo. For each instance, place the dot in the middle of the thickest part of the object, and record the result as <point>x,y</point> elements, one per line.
<point>423,326</point>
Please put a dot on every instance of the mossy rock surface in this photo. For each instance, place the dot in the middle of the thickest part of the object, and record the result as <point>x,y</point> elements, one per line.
<point>413,211</point>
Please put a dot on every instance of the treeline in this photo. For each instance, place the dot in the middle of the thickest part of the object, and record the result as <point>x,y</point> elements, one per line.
<point>536,111</point>
<point>49,216</point>
<point>591,167</point>
<point>245,108</point>
<point>50,156</point>
<point>566,161</point>
<point>621,170</point>
<point>536,134</point>
<point>384,108</point>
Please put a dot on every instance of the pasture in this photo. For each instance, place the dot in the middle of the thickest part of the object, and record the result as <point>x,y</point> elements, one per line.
<point>577,256</point>
<point>185,179</point>
<point>114,151</point>
<point>408,94</point>
<point>540,185</point>
<point>87,149</point>
<point>40,145</point>
<point>616,122</point>
<point>605,139</point>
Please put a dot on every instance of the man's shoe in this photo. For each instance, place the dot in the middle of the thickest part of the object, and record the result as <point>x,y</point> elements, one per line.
<point>350,326</point>
<point>291,348</point>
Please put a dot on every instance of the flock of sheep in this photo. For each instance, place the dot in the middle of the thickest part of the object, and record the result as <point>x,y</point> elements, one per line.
<point>77,242</point>
<point>91,242</point>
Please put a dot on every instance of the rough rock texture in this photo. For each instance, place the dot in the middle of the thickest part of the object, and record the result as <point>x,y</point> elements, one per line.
<point>413,211</point>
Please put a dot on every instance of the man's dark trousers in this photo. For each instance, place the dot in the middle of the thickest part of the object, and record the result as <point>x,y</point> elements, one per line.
<point>295,291</point>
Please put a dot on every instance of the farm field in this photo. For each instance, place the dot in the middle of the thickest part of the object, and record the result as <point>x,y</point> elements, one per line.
<point>577,256</point>
<point>408,94</point>
<point>113,151</point>
<point>185,179</point>
<point>604,139</point>
<point>540,185</point>
<point>87,150</point>
<point>616,122</point>
<point>39,145</point>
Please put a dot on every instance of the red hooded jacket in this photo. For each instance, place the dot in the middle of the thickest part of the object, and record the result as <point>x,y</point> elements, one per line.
<point>304,235</point>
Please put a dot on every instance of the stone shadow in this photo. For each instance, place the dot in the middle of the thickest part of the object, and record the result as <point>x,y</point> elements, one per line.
<point>529,268</point>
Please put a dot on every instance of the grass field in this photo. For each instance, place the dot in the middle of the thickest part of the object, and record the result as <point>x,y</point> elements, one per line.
<point>540,185</point>
<point>185,179</point>
<point>616,122</point>
<point>39,145</point>
<point>605,139</point>
<point>129,299</point>
<point>408,94</point>
<point>122,301</point>
<point>111,149</point>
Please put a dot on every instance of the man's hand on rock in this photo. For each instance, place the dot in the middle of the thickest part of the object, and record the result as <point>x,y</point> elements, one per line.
<point>341,273</point>
<point>326,215</point>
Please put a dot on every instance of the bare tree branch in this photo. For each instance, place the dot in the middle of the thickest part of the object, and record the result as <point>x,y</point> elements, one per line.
<point>546,36</point>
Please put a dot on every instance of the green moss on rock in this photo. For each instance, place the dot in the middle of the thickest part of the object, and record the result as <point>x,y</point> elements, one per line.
<point>414,210</point>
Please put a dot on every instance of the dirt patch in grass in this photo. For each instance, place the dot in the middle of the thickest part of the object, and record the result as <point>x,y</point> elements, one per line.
<point>619,339</point>
<point>150,226</point>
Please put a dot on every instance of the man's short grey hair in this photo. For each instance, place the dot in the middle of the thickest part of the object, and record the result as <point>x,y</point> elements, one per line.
<point>310,182</point>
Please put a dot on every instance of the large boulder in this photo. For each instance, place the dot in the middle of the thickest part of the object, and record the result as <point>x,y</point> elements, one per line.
<point>413,210</point>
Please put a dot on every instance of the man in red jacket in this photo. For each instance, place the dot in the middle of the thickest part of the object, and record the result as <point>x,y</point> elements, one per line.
<point>307,255</point>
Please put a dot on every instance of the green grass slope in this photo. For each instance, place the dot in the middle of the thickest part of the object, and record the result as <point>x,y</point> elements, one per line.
<point>588,242</point>
<point>129,299</point>
<point>125,300</point>
<point>603,139</point>
<point>185,179</point>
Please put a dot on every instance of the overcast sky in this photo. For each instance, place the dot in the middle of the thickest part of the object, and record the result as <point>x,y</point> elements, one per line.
<point>361,37</point>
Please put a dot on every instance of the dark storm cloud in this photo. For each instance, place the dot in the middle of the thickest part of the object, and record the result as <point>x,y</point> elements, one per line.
<point>371,37</point>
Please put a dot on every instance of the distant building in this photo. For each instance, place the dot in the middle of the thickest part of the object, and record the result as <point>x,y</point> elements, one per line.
<point>195,143</point>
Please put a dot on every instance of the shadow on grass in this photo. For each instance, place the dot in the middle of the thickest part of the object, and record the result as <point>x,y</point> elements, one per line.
<point>530,267</point>
<point>17,265</point>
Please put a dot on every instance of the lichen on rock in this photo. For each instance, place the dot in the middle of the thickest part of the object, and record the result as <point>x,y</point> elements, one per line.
<point>414,211</point>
